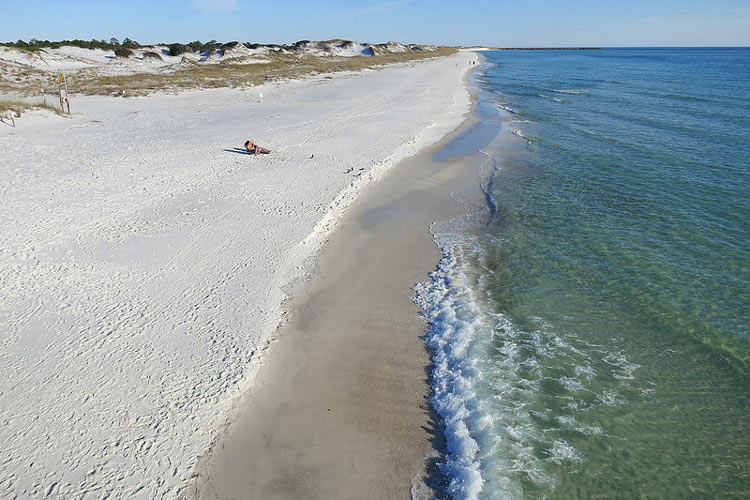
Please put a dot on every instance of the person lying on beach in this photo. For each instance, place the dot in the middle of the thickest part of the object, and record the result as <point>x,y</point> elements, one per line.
<point>254,149</point>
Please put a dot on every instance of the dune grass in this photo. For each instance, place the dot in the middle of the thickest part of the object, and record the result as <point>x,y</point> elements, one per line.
<point>230,73</point>
<point>19,107</point>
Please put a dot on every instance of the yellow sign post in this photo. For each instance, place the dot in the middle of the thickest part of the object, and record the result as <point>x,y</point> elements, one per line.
<point>64,101</point>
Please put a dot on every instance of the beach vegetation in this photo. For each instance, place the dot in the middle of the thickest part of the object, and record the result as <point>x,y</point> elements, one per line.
<point>280,66</point>
<point>281,62</point>
<point>210,47</point>
<point>131,44</point>
<point>36,45</point>
<point>19,107</point>
<point>22,45</point>
<point>175,49</point>
<point>152,55</point>
<point>122,51</point>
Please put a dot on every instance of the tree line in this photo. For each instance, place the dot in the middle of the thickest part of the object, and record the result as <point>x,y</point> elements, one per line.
<point>125,48</point>
<point>122,49</point>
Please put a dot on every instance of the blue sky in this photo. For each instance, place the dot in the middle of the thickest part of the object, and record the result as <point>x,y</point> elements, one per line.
<point>516,23</point>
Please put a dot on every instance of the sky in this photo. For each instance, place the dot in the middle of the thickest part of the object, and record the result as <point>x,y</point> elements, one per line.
<point>517,23</point>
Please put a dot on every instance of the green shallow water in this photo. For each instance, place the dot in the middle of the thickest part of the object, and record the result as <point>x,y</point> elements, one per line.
<point>610,354</point>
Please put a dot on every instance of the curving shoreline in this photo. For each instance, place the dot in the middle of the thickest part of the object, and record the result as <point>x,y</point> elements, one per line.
<point>341,409</point>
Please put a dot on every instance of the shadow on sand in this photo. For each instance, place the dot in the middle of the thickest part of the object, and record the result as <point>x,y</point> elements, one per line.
<point>239,151</point>
<point>434,479</point>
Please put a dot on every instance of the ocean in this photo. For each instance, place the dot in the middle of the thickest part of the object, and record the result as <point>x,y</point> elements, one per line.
<point>589,318</point>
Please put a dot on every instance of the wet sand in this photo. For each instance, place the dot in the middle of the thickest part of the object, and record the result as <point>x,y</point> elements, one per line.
<point>341,408</point>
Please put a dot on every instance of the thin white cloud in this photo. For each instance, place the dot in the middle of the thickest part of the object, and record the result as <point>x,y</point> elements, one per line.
<point>208,6</point>
<point>386,6</point>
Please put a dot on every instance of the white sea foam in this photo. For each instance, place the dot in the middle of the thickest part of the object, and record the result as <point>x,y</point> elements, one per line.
<point>550,97</point>
<point>453,322</point>
<point>488,379</point>
<point>562,452</point>
<point>482,401</point>
<point>585,370</point>
<point>572,384</point>
<point>571,91</point>
<point>624,369</point>
<point>608,398</point>
<point>517,132</point>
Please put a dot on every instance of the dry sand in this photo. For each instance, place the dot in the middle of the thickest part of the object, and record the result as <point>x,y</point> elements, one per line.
<point>144,262</point>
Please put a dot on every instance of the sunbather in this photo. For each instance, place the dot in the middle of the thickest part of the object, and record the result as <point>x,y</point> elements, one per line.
<point>254,149</point>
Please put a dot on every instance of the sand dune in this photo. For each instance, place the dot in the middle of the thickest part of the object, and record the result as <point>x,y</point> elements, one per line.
<point>157,58</point>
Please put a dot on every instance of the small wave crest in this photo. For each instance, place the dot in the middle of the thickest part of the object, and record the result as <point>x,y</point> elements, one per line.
<point>519,133</point>
<point>571,91</point>
<point>454,324</point>
<point>545,96</point>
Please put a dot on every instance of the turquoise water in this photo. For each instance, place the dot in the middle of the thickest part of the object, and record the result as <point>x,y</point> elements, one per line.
<point>589,320</point>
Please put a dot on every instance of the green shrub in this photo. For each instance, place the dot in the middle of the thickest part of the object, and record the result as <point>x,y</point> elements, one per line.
<point>175,49</point>
<point>123,52</point>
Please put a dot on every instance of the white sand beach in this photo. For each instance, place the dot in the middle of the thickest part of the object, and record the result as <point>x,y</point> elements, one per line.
<point>145,259</point>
